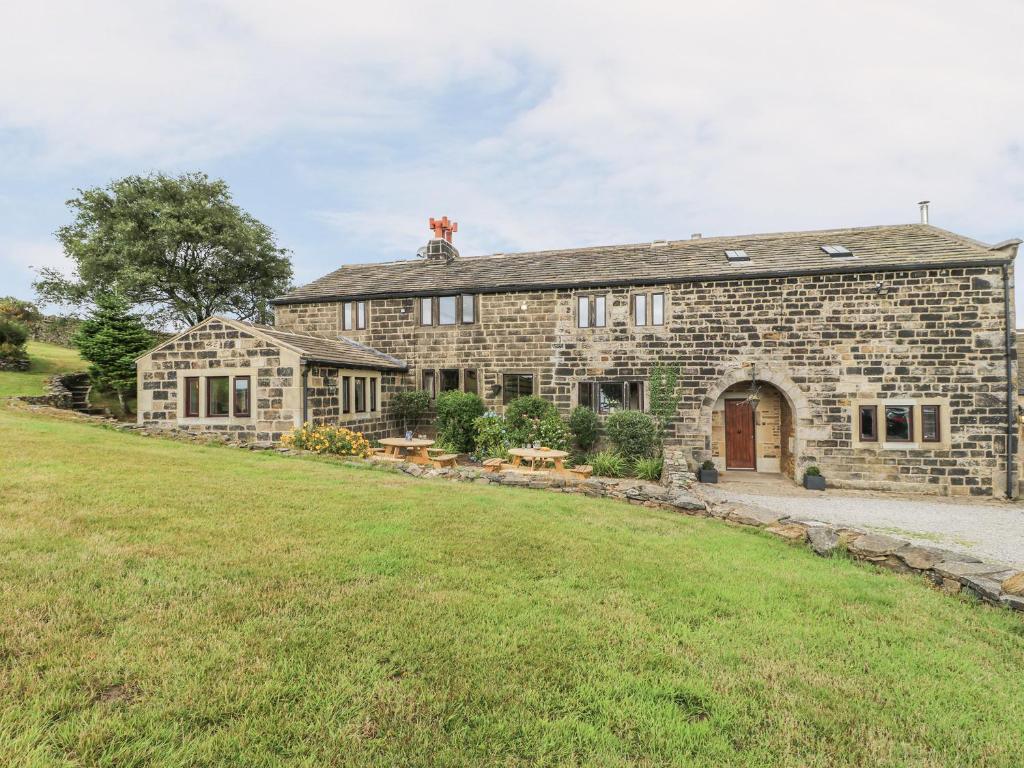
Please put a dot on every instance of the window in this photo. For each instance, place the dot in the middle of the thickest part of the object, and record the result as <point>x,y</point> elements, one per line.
<point>590,311</point>
<point>346,316</point>
<point>648,309</point>
<point>346,394</point>
<point>426,311</point>
<point>449,380</point>
<point>658,309</point>
<point>737,255</point>
<point>611,396</point>
<point>361,315</point>
<point>446,310</point>
<point>373,394</point>
<point>428,384</point>
<point>469,381</point>
<point>468,309</point>
<point>899,424</point>
<point>640,309</point>
<point>583,312</point>
<point>192,396</point>
<point>360,394</point>
<point>241,390</point>
<point>515,385</point>
<point>837,251</point>
<point>218,396</point>
<point>868,423</point>
<point>930,430</point>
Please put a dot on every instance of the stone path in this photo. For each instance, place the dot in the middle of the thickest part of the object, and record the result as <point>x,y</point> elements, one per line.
<point>990,530</point>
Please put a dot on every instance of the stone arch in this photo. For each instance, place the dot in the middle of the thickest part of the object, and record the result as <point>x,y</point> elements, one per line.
<point>768,373</point>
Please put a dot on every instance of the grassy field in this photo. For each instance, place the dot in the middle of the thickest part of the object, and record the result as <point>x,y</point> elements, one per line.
<point>166,604</point>
<point>47,359</point>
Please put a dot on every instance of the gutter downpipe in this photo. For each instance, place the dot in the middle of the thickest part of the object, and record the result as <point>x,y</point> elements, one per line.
<point>305,394</point>
<point>1009,383</point>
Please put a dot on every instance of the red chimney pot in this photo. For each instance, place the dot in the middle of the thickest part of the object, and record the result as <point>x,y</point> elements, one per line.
<point>443,228</point>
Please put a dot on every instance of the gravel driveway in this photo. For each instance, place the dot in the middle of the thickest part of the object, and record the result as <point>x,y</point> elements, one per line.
<point>992,531</point>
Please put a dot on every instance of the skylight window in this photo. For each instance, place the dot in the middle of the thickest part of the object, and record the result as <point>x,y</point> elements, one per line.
<point>734,256</point>
<point>837,251</point>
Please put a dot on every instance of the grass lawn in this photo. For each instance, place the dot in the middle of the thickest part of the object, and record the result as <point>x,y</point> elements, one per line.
<point>167,604</point>
<point>46,359</point>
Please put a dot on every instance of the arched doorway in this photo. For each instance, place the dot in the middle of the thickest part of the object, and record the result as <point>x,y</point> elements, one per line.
<point>777,418</point>
<point>752,430</point>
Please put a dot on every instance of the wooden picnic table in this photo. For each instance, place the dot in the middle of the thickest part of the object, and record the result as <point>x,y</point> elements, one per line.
<point>533,455</point>
<point>415,449</point>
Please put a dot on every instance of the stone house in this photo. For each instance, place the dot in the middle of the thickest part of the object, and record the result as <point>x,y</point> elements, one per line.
<point>883,355</point>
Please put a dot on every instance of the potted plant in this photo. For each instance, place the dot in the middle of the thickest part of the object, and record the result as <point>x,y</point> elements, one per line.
<point>813,481</point>
<point>707,472</point>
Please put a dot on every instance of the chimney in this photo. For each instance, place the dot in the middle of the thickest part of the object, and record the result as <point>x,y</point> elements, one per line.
<point>696,236</point>
<point>439,247</point>
<point>923,205</point>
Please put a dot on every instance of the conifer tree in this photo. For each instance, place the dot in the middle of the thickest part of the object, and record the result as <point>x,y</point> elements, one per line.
<point>110,339</point>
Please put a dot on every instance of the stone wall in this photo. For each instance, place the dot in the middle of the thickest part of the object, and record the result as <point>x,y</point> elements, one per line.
<point>825,341</point>
<point>217,349</point>
<point>324,401</point>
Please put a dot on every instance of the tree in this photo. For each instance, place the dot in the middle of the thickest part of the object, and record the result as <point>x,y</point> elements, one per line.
<point>19,310</point>
<point>176,247</point>
<point>110,339</point>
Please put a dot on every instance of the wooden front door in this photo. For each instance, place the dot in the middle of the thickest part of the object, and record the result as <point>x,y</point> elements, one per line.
<point>739,435</point>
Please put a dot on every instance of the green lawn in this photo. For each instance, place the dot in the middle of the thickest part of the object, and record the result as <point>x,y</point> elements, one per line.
<point>47,359</point>
<point>167,604</point>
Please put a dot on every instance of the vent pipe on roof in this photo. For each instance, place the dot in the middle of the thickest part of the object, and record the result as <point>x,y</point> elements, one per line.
<point>924,210</point>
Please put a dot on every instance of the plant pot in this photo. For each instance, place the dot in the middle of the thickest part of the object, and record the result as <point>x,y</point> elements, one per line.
<point>814,482</point>
<point>707,475</point>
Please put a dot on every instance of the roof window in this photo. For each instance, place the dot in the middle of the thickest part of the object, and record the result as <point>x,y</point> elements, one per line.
<point>734,256</point>
<point>838,251</point>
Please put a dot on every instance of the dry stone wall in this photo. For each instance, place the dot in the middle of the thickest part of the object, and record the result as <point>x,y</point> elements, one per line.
<point>826,341</point>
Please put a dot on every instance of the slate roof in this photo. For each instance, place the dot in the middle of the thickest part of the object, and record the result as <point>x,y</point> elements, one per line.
<point>336,350</point>
<point>311,347</point>
<point>875,248</point>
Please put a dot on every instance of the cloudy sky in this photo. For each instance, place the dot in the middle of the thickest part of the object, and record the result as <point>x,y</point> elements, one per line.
<point>536,125</point>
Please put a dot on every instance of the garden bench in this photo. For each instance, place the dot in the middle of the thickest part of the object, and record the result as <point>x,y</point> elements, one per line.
<point>492,465</point>
<point>444,460</point>
<point>583,470</point>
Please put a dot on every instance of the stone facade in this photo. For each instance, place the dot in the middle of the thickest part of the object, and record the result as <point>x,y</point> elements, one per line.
<point>825,342</point>
<point>214,348</point>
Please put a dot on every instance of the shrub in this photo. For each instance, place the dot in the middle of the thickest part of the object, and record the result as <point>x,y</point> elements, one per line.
<point>524,415</point>
<point>336,441</point>
<point>813,472</point>
<point>634,433</point>
<point>409,407</point>
<point>584,425</point>
<point>608,464</point>
<point>492,436</point>
<point>19,310</point>
<point>456,413</point>
<point>12,332</point>
<point>708,464</point>
<point>553,432</point>
<point>649,469</point>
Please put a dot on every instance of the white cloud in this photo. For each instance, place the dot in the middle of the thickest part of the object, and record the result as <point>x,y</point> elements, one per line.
<point>616,122</point>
